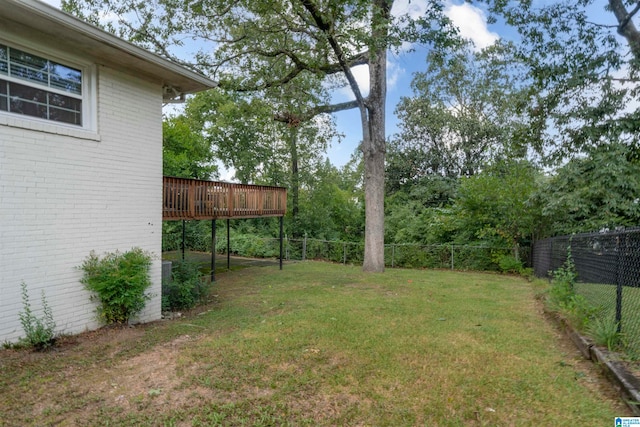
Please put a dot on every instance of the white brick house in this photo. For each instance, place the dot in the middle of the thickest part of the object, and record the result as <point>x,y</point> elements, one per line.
<point>80,157</point>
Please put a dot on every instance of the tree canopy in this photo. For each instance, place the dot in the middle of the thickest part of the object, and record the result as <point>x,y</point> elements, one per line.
<point>185,152</point>
<point>584,62</point>
<point>462,115</point>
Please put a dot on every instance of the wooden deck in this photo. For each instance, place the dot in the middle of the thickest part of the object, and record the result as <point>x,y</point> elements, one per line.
<point>195,199</point>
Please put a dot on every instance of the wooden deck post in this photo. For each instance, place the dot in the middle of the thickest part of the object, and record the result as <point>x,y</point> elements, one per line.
<point>213,250</point>
<point>281,234</point>
<point>183,238</point>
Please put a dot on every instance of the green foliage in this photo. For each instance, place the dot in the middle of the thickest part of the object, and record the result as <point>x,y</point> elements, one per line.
<point>577,62</point>
<point>562,284</point>
<point>39,331</point>
<point>254,246</point>
<point>599,190</point>
<point>295,54</point>
<point>331,207</point>
<point>118,281</point>
<point>463,115</point>
<point>562,296</point>
<point>509,264</point>
<point>185,152</point>
<point>496,207</point>
<point>604,332</point>
<point>185,289</point>
<point>197,235</point>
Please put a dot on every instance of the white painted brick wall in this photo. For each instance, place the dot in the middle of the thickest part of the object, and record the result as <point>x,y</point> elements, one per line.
<point>63,196</point>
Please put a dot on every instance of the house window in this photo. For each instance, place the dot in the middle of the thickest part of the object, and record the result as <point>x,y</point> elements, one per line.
<point>39,87</point>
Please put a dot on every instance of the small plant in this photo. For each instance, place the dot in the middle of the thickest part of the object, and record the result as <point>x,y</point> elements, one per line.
<point>562,284</point>
<point>562,296</point>
<point>40,332</point>
<point>118,281</point>
<point>604,332</point>
<point>185,289</point>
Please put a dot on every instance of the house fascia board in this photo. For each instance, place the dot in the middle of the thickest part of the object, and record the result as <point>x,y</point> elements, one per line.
<point>102,47</point>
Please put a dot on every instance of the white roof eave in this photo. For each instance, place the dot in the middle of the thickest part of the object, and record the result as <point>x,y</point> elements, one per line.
<point>101,46</point>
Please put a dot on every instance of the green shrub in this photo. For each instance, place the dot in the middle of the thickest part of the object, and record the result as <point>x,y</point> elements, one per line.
<point>509,264</point>
<point>562,296</point>
<point>562,284</point>
<point>118,281</point>
<point>40,332</point>
<point>185,289</point>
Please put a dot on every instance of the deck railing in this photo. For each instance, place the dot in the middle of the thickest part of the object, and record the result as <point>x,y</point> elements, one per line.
<point>195,199</point>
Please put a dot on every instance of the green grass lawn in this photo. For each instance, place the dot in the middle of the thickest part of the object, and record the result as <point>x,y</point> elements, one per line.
<point>321,344</point>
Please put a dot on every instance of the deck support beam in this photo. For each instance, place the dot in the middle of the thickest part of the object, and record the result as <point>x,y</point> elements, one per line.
<point>213,250</point>
<point>183,238</point>
<point>281,234</point>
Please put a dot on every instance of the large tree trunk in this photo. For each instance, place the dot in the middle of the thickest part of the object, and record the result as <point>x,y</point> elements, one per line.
<point>295,178</point>
<point>374,148</point>
<point>372,116</point>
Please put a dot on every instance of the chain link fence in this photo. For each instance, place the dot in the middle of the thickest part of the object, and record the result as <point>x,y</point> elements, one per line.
<point>608,275</point>
<point>449,256</point>
<point>444,256</point>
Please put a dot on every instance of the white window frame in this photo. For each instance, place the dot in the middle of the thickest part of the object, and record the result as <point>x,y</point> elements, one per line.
<point>88,129</point>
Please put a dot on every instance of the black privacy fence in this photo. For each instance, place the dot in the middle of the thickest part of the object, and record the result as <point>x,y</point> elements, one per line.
<point>607,264</point>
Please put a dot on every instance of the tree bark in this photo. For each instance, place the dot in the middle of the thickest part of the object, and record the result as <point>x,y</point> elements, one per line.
<point>374,147</point>
<point>295,178</point>
<point>626,28</point>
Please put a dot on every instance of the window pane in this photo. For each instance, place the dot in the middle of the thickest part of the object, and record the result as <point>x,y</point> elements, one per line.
<point>28,108</point>
<point>65,116</point>
<point>65,109</point>
<point>40,103</point>
<point>66,78</point>
<point>67,102</point>
<point>27,73</point>
<point>29,60</point>
<point>4,60</point>
<point>29,67</point>
<point>30,94</point>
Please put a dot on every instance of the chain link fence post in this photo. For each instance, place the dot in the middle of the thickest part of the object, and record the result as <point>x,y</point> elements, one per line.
<point>393,255</point>
<point>452,256</point>
<point>304,247</point>
<point>344,254</point>
<point>618,286</point>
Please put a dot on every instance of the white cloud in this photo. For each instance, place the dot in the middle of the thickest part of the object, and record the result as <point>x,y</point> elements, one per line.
<point>394,72</point>
<point>226,175</point>
<point>470,20</point>
<point>472,23</point>
<point>361,74</point>
<point>414,9</point>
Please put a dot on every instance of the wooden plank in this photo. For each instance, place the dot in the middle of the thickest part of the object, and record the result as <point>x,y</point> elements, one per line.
<point>198,199</point>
